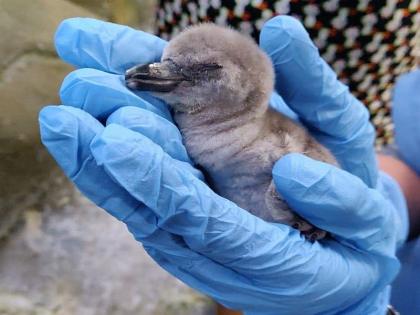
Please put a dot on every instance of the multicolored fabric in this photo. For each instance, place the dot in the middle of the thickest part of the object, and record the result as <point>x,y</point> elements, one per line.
<point>368,43</point>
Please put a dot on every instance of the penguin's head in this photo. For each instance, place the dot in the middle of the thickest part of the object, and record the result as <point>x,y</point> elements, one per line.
<point>207,66</point>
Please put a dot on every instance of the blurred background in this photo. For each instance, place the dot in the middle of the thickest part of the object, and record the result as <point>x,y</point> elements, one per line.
<point>59,253</point>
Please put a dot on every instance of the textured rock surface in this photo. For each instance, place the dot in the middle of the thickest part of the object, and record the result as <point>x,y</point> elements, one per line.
<point>14,304</point>
<point>79,260</point>
<point>30,75</point>
<point>186,304</point>
<point>99,7</point>
<point>136,13</point>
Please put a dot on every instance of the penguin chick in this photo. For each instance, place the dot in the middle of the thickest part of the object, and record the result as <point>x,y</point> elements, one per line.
<point>219,83</point>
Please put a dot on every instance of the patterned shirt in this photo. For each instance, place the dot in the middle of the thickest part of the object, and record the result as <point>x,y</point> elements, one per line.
<point>368,43</point>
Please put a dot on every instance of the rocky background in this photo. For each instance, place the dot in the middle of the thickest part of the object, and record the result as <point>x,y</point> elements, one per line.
<point>59,254</point>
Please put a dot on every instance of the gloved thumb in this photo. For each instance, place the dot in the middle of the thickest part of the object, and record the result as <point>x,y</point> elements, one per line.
<point>336,201</point>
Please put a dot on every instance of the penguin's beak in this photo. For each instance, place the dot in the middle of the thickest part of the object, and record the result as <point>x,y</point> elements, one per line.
<point>154,77</point>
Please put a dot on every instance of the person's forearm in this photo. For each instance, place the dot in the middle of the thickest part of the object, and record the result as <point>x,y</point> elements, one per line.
<point>409,182</point>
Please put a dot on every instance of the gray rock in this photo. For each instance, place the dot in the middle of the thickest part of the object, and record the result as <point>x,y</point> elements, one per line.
<point>29,26</point>
<point>187,304</point>
<point>99,7</point>
<point>30,75</point>
<point>79,260</point>
<point>14,304</point>
<point>136,13</point>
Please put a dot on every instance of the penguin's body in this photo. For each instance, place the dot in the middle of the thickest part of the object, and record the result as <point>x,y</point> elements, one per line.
<point>219,84</point>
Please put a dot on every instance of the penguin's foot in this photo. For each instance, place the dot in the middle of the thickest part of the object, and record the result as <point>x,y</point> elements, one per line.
<point>311,232</point>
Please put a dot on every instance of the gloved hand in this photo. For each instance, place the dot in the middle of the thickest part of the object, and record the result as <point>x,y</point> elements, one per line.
<point>136,168</point>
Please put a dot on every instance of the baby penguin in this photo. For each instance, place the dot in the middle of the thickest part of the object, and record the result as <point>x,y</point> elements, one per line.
<point>218,83</point>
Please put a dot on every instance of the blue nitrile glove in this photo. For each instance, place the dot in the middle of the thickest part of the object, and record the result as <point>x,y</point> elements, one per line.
<point>406,116</point>
<point>137,169</point>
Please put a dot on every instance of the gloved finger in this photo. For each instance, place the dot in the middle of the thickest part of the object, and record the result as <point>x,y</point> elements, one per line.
<point>154,127</point>
<point>309,294</point>
<point>229,287</point>
<point>338,202</point>
<point>300,294</point>
<point>194,269</point>
<point>91,43</point>
<point>100,94</point>
<point>277,103</point>
<point>67,132</point>
<point>159,130</point>
<point>208,277</point>
<point>325,105</point>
